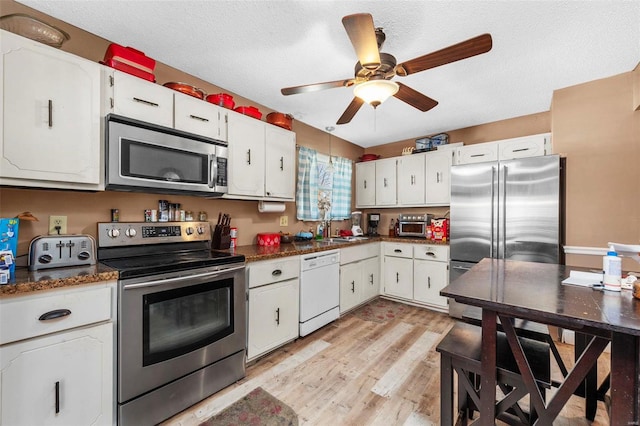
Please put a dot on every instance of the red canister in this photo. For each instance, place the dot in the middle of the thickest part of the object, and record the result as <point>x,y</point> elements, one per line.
<point>268,239</point>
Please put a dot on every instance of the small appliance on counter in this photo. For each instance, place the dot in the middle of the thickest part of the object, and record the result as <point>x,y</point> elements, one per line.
<point>373,219</point>
<point>56,251</point>
<point>356,224</point>
<point>413,224</point>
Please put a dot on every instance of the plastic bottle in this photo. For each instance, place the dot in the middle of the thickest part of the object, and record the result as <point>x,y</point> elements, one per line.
<point>612,267</point>
<point>392,228</point>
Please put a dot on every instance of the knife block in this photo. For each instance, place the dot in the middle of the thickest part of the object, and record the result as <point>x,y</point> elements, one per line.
<point>221,239</point>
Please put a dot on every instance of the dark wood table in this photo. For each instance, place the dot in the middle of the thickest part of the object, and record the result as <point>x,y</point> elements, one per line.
<point>511,290</point>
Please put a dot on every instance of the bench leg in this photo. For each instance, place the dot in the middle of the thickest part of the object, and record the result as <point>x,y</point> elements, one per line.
<point>446,391</point>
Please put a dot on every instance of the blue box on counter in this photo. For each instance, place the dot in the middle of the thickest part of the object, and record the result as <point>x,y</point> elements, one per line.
<point>8,248</point>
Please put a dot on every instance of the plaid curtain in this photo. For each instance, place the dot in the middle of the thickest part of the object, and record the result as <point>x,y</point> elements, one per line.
<point>307,186</point>
<point>341,194</point>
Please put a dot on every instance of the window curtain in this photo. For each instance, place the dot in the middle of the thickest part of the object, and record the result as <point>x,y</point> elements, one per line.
<point>307,186</point>
<point>341,191</point>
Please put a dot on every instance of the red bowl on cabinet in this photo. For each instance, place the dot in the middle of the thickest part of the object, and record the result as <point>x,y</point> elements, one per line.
<point>250,111</point>
<point>221,99</point>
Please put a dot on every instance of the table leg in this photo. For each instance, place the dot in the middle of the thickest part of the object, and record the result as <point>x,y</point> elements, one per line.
<point>446,392</point>
<point>489,373</point>
<point>589,388</point>
<point>625,379</point>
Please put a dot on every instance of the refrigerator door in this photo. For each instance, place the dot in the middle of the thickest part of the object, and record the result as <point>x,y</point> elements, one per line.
<point>529,209</point>
<point>473,216</point>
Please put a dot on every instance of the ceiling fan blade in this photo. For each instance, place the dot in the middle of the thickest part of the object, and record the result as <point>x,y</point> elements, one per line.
<point>351,110</point>
<point>363,38</point>
<point>466,49</point>
<point>317,87</point>
<point>415,98</point>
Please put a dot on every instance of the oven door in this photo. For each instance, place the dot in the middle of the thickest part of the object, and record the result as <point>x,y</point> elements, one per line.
<point>174,324</point>
<point>142,157</point>
<point>412,229</point>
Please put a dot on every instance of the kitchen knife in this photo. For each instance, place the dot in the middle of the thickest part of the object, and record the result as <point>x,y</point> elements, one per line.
<point>219,218</point>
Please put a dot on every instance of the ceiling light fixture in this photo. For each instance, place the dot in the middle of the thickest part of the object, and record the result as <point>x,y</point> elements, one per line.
<point>375,92</point>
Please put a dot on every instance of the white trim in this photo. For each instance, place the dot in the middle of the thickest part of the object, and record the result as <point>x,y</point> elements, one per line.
<point>592,251</point>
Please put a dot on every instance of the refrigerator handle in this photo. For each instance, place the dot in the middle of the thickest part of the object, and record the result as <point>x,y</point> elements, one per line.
<point>493,185</point>
<point>504,213</point>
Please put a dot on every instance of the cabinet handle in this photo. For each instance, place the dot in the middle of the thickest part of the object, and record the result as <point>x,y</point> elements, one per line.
<point>276,272</point>
<point>430,253</point>
<point>248,156</point>
<point>278,316</point>
<point>353,286</point>
<point>195,117</point>
<point>413,179</point>
<point>281,163</point>
<point>397,251</point>
<point>477,155</point>
<point>365,184</point>
<point>428,282</point>
<point>58,313</point>
<point>50,113</point>
<point>371,279</point>
<point>142,101</point>
<point>397,277</point>
<point>57,397</point>
<point>520,150</point>
<point>385,182</point>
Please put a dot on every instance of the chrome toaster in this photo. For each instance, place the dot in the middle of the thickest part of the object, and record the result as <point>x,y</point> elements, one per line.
<point>55,251</point>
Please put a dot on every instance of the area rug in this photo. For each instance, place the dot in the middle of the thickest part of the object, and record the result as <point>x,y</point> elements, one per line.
<point>257,408</point>
<point>380,310</point>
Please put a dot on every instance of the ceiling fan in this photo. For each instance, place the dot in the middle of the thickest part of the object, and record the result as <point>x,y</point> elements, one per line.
<point>374,70</point>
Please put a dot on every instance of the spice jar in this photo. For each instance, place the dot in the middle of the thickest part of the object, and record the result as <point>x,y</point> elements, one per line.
<point>202,216</point>
<point>188,215</point>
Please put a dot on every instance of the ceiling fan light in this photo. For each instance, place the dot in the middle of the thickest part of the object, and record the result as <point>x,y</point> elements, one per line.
<point>375,92</point>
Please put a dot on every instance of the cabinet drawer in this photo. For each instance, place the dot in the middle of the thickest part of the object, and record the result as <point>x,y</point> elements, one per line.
<point>430,252</point>
<point>359,252</point>
<point>478,153</point>
<point>195,116</point>
<point>142,100</point>
<point>529,146</point>
<point>398,250</point>
<point>20,317</point>
<point>271,271</point>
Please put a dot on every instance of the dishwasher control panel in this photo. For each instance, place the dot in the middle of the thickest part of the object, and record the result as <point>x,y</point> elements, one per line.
<point>320,259</point>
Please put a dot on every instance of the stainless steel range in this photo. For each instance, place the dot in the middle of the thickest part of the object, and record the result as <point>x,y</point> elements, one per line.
<point>181,331</point>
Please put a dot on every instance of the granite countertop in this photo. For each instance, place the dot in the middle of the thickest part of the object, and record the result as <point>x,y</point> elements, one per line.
<point>26,281</point>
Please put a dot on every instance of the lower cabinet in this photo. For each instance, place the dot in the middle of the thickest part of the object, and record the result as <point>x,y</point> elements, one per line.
<point>273,304</point>
<point>359,275</point>
<point>416,272</point>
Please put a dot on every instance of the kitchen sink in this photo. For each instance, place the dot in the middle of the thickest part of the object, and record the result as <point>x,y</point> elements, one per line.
<point>347,239</point>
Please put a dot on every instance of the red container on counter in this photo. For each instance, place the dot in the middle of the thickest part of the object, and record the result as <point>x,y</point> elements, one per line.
<point>269,239</point>
<point>440,229</point>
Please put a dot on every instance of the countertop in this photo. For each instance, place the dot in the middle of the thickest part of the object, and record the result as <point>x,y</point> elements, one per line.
<point>26,282</point>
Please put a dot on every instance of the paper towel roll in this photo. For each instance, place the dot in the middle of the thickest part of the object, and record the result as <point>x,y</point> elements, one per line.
<point>270,207</point>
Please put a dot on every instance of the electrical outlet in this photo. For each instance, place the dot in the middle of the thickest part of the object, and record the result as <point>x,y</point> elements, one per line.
<point>55,221</point>
<point>284,220</point>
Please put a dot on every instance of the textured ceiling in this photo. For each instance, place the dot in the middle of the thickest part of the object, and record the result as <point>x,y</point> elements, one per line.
<point>254,48</point>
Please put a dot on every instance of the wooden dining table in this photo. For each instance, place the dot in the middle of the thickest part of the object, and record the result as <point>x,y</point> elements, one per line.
<point>507,290</point>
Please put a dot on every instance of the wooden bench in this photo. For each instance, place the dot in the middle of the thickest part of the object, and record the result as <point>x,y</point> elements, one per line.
<point>460,351</point>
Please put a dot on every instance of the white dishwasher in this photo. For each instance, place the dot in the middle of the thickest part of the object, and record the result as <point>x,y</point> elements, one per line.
<point>319,290</point>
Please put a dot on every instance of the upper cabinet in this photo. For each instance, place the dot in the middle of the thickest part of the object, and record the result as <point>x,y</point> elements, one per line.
<point>50,116</point>
<point>280,163</point>
<point>366,184</point>
<point>507,149</point>
<point>411,180</point>
<point>438,181</point>
<point>200,117</point>
<point>386,178</point>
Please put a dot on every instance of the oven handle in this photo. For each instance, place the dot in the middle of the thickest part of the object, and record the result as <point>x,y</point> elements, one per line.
<point>178,279</point>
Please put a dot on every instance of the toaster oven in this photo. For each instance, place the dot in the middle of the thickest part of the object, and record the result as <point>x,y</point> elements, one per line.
<point>413,224</point>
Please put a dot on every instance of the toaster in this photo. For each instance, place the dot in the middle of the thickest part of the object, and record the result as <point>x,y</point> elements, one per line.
<point>55,251</point>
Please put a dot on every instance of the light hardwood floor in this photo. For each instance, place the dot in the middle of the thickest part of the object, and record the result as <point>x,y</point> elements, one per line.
<point>359,372</point>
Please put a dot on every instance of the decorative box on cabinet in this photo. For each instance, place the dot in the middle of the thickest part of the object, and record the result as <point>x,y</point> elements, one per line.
<point>58,371</point>
<point>50,117</point>
<point>359,275</point>
<point>273,304</point>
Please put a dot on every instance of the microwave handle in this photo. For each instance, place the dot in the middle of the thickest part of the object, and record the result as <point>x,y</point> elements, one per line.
<point>213,170</point>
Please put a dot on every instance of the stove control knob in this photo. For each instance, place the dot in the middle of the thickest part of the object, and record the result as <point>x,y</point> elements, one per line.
<point>130,233</point>
<point>200,230</point>
<point>189,230</point>
<point>113,233</point>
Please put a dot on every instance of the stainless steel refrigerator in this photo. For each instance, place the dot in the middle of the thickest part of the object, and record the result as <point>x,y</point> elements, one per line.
<point>508,210</point>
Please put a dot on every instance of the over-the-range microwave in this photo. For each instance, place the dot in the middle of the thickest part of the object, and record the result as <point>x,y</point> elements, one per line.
<point>143,157</point>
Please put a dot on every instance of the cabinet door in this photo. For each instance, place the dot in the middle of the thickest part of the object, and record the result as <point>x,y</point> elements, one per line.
<point>370,278</point>
<point>61,379</point>
<point>350,285</point>
<point>398,277</point>
<point>411,180</point>
<point>136,98</point>
<point>280,163</point>
<point>50,115</point>
<point>246,155</point>
<point>478,153</point>
<point>366,184</point>
<point>273,316</point>
<point>528,146</point>
<point>428,279</point>
<point>195,116</point>
<point>386,182</point>
<point>439,178</point>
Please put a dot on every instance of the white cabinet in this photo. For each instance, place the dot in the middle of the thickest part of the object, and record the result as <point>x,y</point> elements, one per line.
<point>273,304</point>
<point>280,163</point>
<point>416,272</point>
<point>194,115</point>
<point>411,180</point>
<point>506,149</point>
<point>261,160</point>
<point>386,179</point>
<point>366,184</point>
<point>50,117</point>
<point>359,275</point>
<point>438,178</point>
<point>58,370</point>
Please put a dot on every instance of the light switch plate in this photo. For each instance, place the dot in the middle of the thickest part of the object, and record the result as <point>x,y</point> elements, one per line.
<point>284,220</point>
